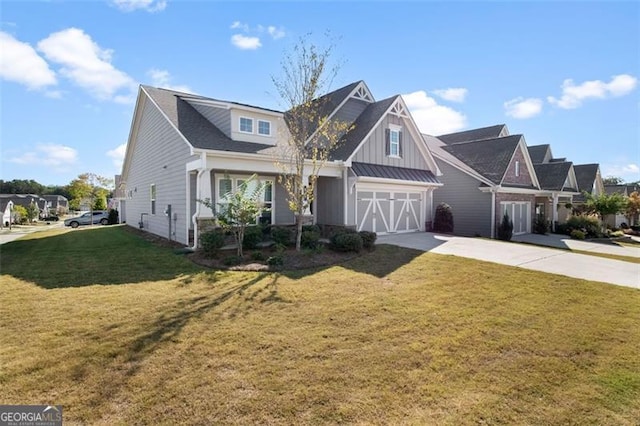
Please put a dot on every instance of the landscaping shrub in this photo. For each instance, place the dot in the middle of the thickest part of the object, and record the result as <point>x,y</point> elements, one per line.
<point>232,260</point>
<point>257,255</point>
<point>368,239</point>
<point>589,225</point>
<point>540,225</point>
<point>311,228</point>
<point>252,236</point>
<point>310,238</point>
<point>277,260</point>
<point>562,228</point>
<point>443,219</point>
<point>505,229</point>
<point>113,217</point>
<point>282,235</point>
<point>211,242</point>
<point>346,242</point>
<point>577,234</point>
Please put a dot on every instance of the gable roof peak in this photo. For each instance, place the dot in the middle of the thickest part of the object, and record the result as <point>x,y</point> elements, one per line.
<point>489,132</point>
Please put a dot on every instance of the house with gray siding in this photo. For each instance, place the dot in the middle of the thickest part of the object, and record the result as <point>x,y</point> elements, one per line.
<point>485,173</point>
<point>183,148</point>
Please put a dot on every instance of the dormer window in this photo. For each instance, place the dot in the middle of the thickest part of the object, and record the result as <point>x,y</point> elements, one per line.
<point>393,143</point>
<point>246,125</point>
<point>264,128</point>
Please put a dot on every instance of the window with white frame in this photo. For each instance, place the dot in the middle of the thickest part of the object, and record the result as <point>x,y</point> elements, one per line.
<point>394,143</point>
<point>152,194</point>
<point>517,168</point>
<point>264,128</point>
<point>246,125</point>
<point>229,184</point>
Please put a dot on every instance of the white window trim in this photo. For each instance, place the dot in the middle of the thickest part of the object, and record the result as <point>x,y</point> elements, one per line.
<point>398,130</point>
<point>517,168</point>
<point>240,125</point>
<point>234,187</point>
<point>153,194</point>
<point>258,128</point>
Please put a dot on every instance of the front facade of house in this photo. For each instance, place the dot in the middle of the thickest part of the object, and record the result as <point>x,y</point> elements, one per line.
<point>184,148</point>
<point>485,173</point>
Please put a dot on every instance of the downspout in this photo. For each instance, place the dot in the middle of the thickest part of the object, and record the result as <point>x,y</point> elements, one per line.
<point>493,212</point>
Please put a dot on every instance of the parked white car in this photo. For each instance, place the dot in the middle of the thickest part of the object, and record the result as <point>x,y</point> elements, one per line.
<point>98,216</point>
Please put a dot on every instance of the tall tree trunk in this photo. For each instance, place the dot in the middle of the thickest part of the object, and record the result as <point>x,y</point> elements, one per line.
<point>299,220</point>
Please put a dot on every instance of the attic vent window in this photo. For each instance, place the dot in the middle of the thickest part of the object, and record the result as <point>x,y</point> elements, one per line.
<point>246,125</point>
<point>517,168</point>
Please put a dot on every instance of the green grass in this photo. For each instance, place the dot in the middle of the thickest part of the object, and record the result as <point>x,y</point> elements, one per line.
<point>393,337</point>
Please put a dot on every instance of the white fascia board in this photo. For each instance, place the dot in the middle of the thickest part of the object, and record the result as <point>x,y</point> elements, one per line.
<point>135,123</point>
<point>194,165</point>
<point>381,183</point>
<point>231,105</point>
<point>512,190</point>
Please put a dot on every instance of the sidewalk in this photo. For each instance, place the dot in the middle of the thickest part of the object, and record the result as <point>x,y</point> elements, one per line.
<point>567,243</point>
<point>524,256</point>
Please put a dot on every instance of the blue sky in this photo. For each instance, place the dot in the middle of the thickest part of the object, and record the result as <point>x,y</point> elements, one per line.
<point>563,74</point>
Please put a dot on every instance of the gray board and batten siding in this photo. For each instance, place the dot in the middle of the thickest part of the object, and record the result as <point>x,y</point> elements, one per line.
<point>471,208</point>
<point>159,158</point>
<point>373,149</point>
<point>330,201</point>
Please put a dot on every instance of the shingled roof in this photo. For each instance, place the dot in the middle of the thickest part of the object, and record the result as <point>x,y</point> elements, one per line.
<point>362,126</point>
<point>199,131</point>
<point>391,172</point>
<point>490,132</point>
<point>538,153</point>
<point>489,157</point>
<point>586,176</point>
<point>552,176</point>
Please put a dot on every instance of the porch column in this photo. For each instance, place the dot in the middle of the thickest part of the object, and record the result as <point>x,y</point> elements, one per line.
<point>554,211</point>
<point>204,191</point>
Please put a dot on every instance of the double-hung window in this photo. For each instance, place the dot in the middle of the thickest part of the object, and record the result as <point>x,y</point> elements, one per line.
<point>153,198</point>
<point>264,128</point>
<point>229,185</point>
<point>394,143</point>
<point>246,125</point>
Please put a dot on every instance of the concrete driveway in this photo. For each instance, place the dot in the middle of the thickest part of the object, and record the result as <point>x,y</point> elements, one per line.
<point>565,242</point>
<point>526,256</point>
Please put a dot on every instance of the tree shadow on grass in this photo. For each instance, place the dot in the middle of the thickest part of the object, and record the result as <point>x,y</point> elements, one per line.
<point>380,262</point>
<point>99,256</point>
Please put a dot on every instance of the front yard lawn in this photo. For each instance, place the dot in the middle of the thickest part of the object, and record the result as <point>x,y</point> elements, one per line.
<point>120,331</point>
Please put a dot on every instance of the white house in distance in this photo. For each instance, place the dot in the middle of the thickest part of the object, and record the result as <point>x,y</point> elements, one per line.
<point>183,148</point>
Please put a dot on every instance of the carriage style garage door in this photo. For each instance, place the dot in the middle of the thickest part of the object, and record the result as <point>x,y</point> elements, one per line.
<point>389,211</point>
<point>519,212</point>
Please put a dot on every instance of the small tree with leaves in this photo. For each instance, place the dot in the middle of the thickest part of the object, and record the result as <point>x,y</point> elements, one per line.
<point>606,204</point>
<point>89,188</point>
<point>633,207</point>
<point>32,211</point>
<point>311,136</point>
<point>239,209</point>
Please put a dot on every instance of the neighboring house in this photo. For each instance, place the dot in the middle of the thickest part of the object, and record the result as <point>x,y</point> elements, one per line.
<point>183,148</point>
<point>614,221</point>
<point>558,183</point>
<point>6,206</point>
<point>57,203</point>
<point>485,172</point>
<point>589,180</point>
<point>26,200</point>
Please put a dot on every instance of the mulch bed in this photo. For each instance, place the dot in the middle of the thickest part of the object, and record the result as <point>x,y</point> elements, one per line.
<point>293,260</point>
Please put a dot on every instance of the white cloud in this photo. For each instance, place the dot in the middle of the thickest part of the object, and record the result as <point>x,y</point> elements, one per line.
<point>132,5</point>
<point>56,157</point>
<point>276,33</point>
<point>117,155</point>
<point>454,94</point>
<point>239,25</point>
<point>573,96</point>
<point>20,62</point>
<point>88,65</point>
<point>245,42</point>
<point>162,78</point>
<point>628,171</point>
<point>431,118</point>
<point>523,108</point>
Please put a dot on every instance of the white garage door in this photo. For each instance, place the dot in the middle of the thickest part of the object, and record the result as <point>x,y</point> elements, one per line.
<point>389,211</point>
<point>520,213</point>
